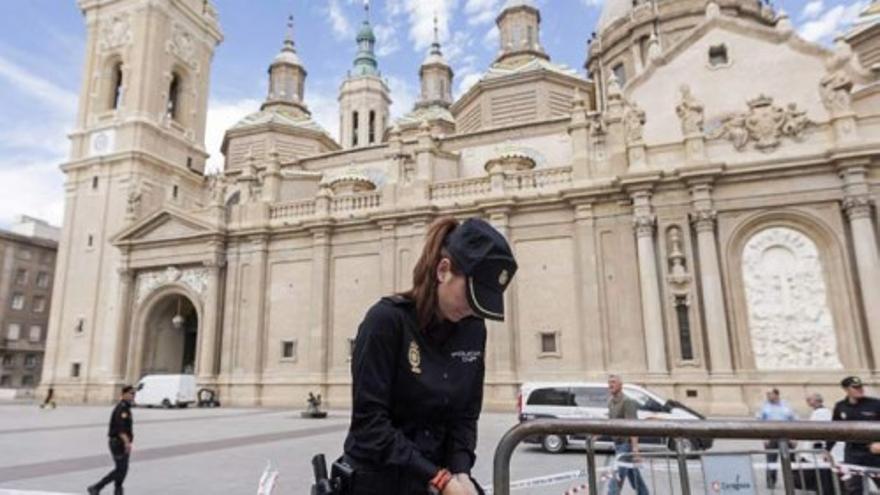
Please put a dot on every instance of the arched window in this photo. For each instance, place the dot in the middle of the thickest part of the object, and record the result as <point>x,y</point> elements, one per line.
<point>174,89</point>
<point>116,93</point>
<point>372,126</point>
<point>354,129</point>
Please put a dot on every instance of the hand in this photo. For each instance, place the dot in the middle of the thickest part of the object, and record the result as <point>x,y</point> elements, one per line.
<point>128,447</point>
<point>466,482</point>
<point>454,487</point>
<point>875,448</point>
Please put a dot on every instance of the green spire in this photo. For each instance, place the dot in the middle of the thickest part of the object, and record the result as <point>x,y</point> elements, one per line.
<point>365,63</point>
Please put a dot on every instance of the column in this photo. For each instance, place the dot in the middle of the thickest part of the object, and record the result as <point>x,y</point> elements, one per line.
<point>589,320</point>
<point>858,211</point>
<point>123,322</point>
<point>318,329</point>
<point>652,313</point>
<point>717,334</point>
<point>857,205</point>
<point>208,350</point>
<point>259,255</point>
<point>387,255</point>
<point>502,335</point>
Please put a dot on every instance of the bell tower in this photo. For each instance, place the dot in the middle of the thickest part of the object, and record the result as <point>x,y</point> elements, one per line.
<point>138,144</point>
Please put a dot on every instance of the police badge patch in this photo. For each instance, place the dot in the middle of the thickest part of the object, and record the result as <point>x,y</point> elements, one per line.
<point>415,358</point>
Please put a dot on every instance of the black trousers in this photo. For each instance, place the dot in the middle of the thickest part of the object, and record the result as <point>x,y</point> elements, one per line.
<point>120,459</point>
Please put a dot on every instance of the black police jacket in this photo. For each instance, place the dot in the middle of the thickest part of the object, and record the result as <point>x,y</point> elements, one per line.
<point>121,421</point>
<point>865,409</point>
<point>417,395</point>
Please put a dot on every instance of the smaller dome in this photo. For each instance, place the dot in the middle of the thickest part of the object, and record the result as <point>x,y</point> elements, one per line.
<point>350,182</point>
<point>366,32</point>
<point>518,3</point>
<point>287,57</point>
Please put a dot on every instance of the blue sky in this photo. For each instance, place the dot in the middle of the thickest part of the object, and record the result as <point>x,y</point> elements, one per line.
<point>42,44</point>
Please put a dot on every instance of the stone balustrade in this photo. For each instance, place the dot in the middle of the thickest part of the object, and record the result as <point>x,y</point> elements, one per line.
<point>460,188</point>
<point>356,202</point>
<point>292,209</point>
<point>545,178</point>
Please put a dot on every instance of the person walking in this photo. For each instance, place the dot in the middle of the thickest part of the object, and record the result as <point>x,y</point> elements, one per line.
<point>418,367</point>
<point>622,407</point>
<point>774,409</point>
<point>121,437</point>
<point>856,406</point>
<point>50,399</point>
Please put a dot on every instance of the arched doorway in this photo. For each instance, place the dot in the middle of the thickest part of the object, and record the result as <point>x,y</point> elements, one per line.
<point>170,335</point>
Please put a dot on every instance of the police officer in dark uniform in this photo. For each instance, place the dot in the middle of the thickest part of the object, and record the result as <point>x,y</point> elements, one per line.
<point>121,437</point>
<point>856,407</point>
<point>418,366</point>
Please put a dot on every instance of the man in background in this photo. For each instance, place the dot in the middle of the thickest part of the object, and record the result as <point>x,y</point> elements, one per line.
<point>774,409</point>
<point>622,407</point>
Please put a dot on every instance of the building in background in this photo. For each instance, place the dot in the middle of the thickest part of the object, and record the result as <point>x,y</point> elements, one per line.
<point>27,270</point>
<point>697,211</point>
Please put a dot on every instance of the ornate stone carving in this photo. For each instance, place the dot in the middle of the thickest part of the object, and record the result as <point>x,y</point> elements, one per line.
<point>789,320</point>
<point>116,33</point>
<point>764,124</point>
<point>133,202</point>
<point>644,224</point>
<point>704,220</point>
<point>857,207</point>
<point>634,122</point>
<point>678,278</point>
<point>835,90</point>
<point>183,45</point>
<point>196,279</point>
<point>690,112</point>
<point>217,188</point>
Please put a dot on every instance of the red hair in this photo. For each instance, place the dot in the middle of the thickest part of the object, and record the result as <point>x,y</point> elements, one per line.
<point>424,287</point>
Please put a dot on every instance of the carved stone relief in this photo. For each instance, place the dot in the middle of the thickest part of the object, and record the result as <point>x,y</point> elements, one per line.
<point>835,91</point>
<point>194,278</point>
<point>690,112</point>
<point>116,33</point>
<point>790,323</point>
<point>764,124</point>
<point>183,45</point>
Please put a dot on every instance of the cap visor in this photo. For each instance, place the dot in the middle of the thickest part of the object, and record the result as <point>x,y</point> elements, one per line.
<point>485,302</point>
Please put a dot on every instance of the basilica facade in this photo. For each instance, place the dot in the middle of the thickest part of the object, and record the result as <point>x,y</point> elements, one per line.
<point>697,212</point>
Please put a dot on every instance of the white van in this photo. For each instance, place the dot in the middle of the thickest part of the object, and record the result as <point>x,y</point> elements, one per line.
<point>166,391</point>
<point>581,400</point>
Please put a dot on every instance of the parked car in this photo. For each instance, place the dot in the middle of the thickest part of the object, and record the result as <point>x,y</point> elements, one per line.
<point>578,400</point>
<point>166,391</point>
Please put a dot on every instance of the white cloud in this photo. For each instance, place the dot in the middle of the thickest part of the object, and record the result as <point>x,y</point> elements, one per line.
<point>403,95</point>
<point>338,20</point>
<point>420,16</point>
<point>221,116</point>
<point>36,87</point>
<point>812,9</point>
<point>481,11</point>
<point>466,81</point>
<point>386,40</point>
<point>832,21</point>
<point>38,189</point>
<point>592,3</point>
<point>491,38</point>
<point>324,106</point>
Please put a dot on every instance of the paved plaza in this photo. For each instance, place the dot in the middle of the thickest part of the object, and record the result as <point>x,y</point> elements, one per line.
<point>211,451</point>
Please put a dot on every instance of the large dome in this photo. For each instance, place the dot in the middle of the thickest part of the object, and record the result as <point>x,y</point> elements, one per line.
<point>613,10</point>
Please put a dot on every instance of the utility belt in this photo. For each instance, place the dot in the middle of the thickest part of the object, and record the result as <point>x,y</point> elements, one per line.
<point>340,480</point>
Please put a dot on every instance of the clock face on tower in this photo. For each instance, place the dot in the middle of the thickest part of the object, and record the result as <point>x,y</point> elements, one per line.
<point>102,142</point>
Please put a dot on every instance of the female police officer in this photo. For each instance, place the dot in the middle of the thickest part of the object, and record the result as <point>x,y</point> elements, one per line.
<point>418,369</point>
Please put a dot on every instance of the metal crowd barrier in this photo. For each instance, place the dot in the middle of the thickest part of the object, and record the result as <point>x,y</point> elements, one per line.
<point>783,432</point>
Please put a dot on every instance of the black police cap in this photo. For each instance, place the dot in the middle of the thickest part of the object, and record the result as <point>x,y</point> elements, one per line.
<point>851,381</point>
<point>484,256</point>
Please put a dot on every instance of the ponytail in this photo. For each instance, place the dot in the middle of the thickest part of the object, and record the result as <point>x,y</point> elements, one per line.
<point>424,288</point>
